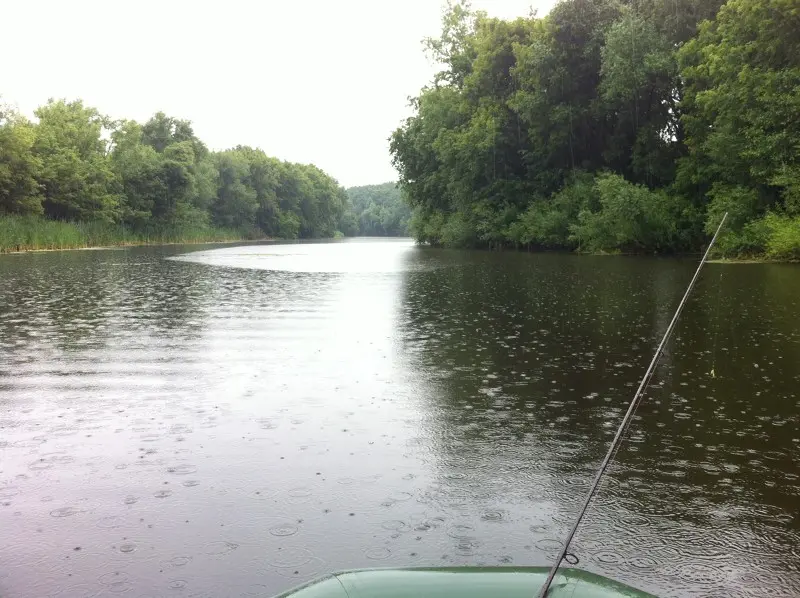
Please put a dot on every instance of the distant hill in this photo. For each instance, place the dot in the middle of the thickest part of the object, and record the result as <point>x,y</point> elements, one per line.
<point>379,210</point>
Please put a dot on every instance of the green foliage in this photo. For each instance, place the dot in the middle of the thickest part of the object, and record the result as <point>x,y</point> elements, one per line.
<point>546,224</point>
<point>452,48</point>
<point>166,173</point>
<point>149,181</point>
<point>490,222</point>
<point>458,231</point>
<point>741,203</point>
<point>783,242</point>
<point>379,211</point>
<point>138,169</point>
<point>288,225</point>
<point>427,227</point>
<point>348,223</point>
<point>237,201</point>
<point>741,110</point>
<point>776,236</point>
<point>76,174</point>
<point>787,178</point>
<point>19,167</point>
<point>749,241</point>
<point>630,218</point>
<point>639,73</point>
<point>21,233</point>
<point>608,125</point>
<point>162,131</point>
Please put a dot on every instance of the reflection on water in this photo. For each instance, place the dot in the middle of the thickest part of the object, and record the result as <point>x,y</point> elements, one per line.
<point>354,255</point>
<point>238,420</point>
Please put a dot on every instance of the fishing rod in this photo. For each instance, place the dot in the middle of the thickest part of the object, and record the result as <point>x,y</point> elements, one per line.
<point>637,398</point>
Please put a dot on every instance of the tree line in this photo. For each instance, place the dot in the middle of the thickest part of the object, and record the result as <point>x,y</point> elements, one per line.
<point>379,210</point>
<point>610,125</point>
<point>75,164</point>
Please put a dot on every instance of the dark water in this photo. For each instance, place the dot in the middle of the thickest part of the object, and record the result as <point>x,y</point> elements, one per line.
<point>238,421</point>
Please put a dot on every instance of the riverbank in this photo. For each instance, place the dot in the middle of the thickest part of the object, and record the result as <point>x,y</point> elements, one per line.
<point>717,257</point>
<point>20,234</point>
<point>751,260</point>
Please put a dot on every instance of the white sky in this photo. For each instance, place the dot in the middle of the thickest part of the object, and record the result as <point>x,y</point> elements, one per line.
<point>319,81</point>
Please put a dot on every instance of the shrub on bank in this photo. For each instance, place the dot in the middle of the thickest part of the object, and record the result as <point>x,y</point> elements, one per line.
<point>775,237</point>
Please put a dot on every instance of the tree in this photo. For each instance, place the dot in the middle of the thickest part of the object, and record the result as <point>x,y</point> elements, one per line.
<point>348,222</point>
<point>453,49</point>
<point>179,182</point>
<point>138,168</point>
<point>680,108</point>
<point>19,166</point>
<point>237,202</point>
<point>639,89</point>
<point>158,178</point>
<point>263,178</point>
<point>380,210</point>
<point>161,131</point>
<point>76,175</point>
<point>558,75</point>
<point>742,110</point>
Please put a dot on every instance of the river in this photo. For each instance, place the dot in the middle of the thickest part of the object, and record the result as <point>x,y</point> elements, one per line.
<point>236,420</point>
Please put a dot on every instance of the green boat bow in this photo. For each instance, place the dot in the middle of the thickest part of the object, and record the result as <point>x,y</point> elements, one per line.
<point>463,582</point>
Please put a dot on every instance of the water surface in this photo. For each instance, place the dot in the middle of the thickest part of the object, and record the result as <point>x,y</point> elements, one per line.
<point>233,421</point>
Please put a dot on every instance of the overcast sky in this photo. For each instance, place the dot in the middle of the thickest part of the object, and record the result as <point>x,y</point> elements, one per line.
<point>319,81</point>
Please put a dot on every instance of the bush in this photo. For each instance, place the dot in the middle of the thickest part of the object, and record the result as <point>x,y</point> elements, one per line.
<point>632,218</point>
<point>492,221</point>
<point>750,240</point>
<point>741,204</point>
<point>541,225</point>
<point>545,224</point>
<point>288,225</point>
<point>776,236</point>
<point>426,226</point>
<point>458,231</point>
<point>783,242</point>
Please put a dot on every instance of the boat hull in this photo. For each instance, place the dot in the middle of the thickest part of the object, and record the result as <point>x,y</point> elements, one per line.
<point>463,582</point>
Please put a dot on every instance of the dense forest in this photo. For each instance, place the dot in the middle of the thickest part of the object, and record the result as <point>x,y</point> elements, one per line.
<point>610,125</point>
<point>380,210</point>
<point>155,179</point>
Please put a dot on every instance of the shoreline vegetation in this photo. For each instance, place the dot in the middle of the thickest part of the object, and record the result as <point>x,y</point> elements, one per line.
<point>610,126</point>
<point>370,210</point>
<point>19,234</point>
<point>76,178</point>
<point>29,234</point>
<point>380,210</point>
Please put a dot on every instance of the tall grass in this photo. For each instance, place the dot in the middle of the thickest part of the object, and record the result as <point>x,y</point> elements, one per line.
<point>26,233</point>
